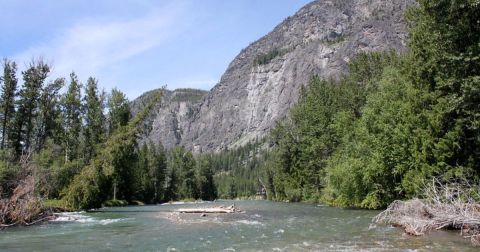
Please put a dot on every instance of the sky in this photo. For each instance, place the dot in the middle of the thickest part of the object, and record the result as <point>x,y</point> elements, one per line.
<point>137,45</point>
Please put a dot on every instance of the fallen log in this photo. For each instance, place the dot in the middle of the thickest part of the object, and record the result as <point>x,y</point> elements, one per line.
<point>221,209</point>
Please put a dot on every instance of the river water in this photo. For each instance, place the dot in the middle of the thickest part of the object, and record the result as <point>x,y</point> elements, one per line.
<point>265,226</point>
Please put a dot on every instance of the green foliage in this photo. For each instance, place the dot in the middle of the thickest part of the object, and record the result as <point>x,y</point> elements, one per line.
<point>48,121</point>
<point>183,163</point>
<point>367,68</point>
<point>151,173</point>
<point>7,99</point>
<point>94,119</point>
<point>336,40</point>
<point>27,103</point>
<point>71,118</point>
<point>205,182</point>
<point>85,191</point>
<point>115,203</point>
<point>237,171</point>
<point>188,94</point>
<point>265,58</point>
<point>73,158</point>
<point>408,119</point>
<point>56,204</point>
<point>119,113</point>
<point>51,172</point>
<point>8,171</point>
<point>444,59</point>
<point>172,184</point>
<point>376,153</point>
<point>306,139</point>
<point>111,171</point>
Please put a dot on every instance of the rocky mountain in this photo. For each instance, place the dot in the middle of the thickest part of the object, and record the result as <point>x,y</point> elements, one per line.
<point>264,80</point>
<point>169,118</point>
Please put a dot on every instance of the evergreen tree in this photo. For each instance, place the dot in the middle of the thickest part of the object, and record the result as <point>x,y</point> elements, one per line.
<point>122,159</point>
<point>119,110</point>
<point>28,103</point>
<point>172,183</point>
<point>142,185</point>
<point>7,100</point>
<point>111,172</point>
<point>150,173</point>
<point>445,61</point>
<point>371,167</point>
<point>158,169</point>
<point>232,189</point>
<point>48,122</point>
<point>206,186</point>
<point>182,161</point>
<point>187,175</point>
<point>72,121</point>
<point>94,119</point>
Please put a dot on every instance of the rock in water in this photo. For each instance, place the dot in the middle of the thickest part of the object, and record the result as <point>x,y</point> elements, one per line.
<point>264,80</point>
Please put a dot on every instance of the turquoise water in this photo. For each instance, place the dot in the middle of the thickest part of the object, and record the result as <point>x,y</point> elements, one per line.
<point>265,226</point>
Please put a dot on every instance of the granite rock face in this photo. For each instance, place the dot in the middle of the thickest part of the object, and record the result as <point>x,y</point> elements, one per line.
<point>168,120</point>
<point>263,81</point>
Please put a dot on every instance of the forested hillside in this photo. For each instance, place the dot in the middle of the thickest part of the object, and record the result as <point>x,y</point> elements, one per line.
<point>393,123</point>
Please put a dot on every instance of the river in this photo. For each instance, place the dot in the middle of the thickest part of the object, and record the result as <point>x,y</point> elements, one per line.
<point>265,226</point>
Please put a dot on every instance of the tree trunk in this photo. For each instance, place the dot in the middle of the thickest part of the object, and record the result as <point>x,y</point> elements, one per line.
<point>114,191</point>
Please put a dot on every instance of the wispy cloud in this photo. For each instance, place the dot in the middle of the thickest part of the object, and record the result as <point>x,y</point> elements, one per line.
<point>90,46</point>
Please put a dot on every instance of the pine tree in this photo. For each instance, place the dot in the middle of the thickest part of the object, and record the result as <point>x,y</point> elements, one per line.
<point>48,125</point>
<point>206,186</point>
<point>172,183</point>
<point>94,119</point>
<point>183,162</point>
<point>72,121</point>
<point>445,61</point>
<point>189,183</point>
<point>28,103</point>
<point>7,102</point>
<point>119,111</point>
<point>158,169</point>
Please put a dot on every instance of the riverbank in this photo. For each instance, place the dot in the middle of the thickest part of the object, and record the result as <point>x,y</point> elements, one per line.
<point>24,207</point>
<point>444,207</point>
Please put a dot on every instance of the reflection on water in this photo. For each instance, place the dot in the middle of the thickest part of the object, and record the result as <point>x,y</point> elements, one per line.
<point>265,226</point>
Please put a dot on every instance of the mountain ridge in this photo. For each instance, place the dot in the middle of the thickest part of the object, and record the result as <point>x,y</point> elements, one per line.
<point>263,81</point>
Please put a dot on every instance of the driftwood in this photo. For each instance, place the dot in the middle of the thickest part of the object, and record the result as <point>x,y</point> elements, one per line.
<point>23,206</point>
<point>450,206</point>
<point>220,209</point>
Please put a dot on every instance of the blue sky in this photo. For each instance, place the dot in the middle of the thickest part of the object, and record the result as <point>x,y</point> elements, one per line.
<point>137,45</point>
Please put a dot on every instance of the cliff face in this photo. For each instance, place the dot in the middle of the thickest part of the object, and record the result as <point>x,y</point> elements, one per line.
<point>264,80</point>
<point>169,119</point>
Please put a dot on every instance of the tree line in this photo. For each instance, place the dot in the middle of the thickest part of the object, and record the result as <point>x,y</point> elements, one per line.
<point>82,144</point>
<point>238,170</point>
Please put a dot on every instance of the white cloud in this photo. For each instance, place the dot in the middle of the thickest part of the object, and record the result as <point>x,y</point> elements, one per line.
<point>90,46</point>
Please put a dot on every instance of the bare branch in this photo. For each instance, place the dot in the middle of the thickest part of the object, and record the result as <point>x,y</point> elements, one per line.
<point>452,206</point>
